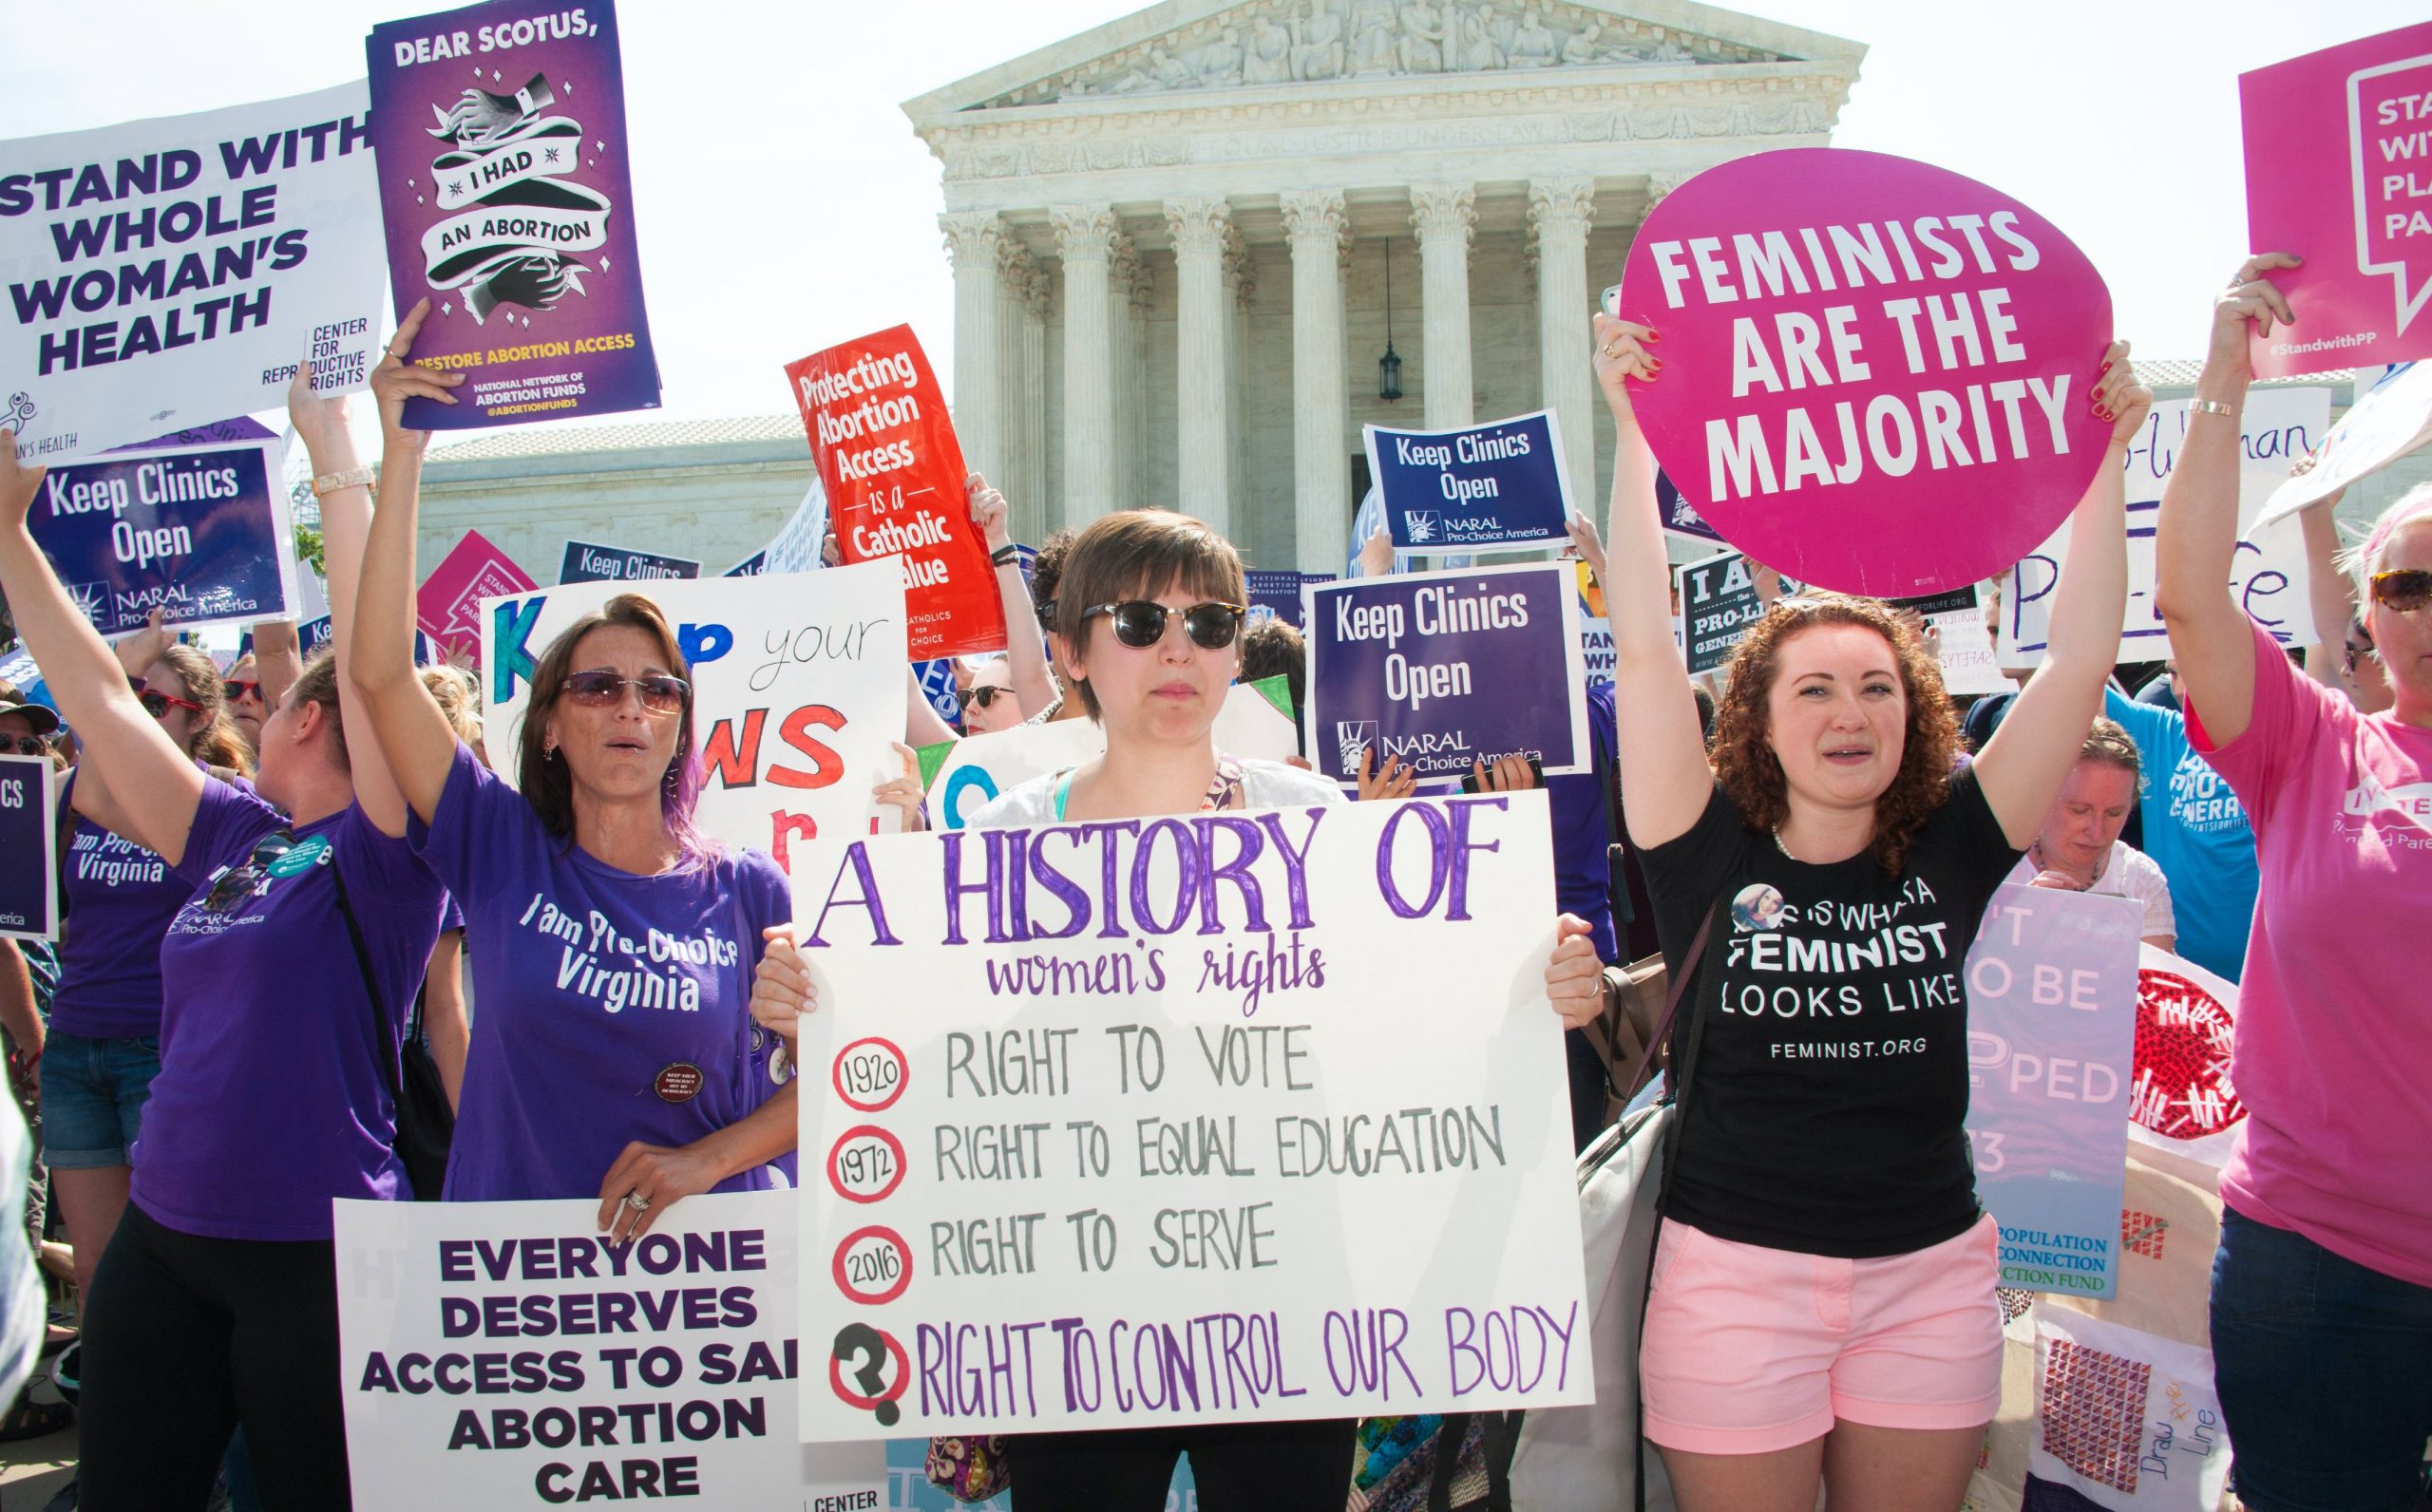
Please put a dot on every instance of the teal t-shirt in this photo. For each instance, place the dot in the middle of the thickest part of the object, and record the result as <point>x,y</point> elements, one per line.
<point>2197,831</point>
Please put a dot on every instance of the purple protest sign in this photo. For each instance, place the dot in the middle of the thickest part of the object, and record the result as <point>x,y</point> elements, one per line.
<point>2051,1039</point>
<point>500,131</point>
<point>584,562</point>
<point>1877,375</point>
<point>1499,487</point>
<point>29,888</point>
<point>198,532</point>
<point>2338,171</point>
<point>1441,670</point>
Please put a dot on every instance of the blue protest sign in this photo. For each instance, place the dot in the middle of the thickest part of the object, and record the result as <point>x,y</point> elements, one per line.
<point>1441,670</point>
<point>937,686</point>
<point>1681,518</point>
<point>315,634</point>
<point>28,886</point>
<point>751,566</point>
<point>199,532</point>
<point>587,563</point>
<point>1276,595</point>
<point>2051,1040</point>
<point>1499,487</point>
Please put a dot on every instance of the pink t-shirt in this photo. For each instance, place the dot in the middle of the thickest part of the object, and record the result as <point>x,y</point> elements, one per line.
<point>2333,1055</point>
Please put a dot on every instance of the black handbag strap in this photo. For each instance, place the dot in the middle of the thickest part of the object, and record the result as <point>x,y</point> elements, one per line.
<point>386,1051</point>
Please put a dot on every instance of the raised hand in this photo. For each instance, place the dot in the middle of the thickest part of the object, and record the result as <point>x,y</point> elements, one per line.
<point>2250,305</point>
<point>1587,543</point>
<point>2120,398</point>
<point>1621,356</point>
<point>19,483</point>
<point>1392,780</point>
<point>903,790</point>
<point>989,512</point>
<point>395,381</point>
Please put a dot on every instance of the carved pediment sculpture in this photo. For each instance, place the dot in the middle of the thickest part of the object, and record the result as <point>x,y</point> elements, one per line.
<point>1285,42</point>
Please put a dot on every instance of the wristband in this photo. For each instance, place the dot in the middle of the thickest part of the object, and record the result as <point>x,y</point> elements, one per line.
<point>351,478</point>
<point>1005,556</point>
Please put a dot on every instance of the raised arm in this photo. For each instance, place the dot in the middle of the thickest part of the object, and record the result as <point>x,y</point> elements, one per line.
<point>1666,780</point>
<point>410,734</point>
<point>2197,540</point>
<point>156,787</point>
<point>2022,767</point>
<point>1025,651</point>
<point>279,658</point>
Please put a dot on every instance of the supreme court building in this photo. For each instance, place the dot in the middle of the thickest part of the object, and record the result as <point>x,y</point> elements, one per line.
<point>1173,236</point>
<point>1181,242</point>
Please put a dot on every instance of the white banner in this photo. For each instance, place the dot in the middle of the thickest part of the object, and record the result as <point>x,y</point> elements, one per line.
<point>797,691</point>
<point>497,1356</point>
<point>2128,1420</point>
<point>980,767</point>
<point>2268,576</point>
<point>167,274</point>
<point>2388,421</point>
<point>1216,1118</point>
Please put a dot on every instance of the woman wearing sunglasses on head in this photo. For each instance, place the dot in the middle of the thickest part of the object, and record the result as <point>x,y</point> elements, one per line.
<point>612,945</point>
<point>2322,1289</point>
<point>285,976</point>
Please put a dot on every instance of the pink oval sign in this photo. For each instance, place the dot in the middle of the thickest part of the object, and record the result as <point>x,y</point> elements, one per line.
<point>1878,376</point>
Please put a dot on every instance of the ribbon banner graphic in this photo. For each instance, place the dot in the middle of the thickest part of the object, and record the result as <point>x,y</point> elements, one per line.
<point>1131,1123</point>
<point>503,169</point>
<point>2338,171</point>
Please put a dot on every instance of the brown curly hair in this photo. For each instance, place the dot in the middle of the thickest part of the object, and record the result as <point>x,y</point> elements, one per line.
<point>1744,761</point>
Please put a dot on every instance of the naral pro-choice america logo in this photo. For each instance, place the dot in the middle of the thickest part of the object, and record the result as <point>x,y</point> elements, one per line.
<point>513,246</point>
<point>1354,738</point>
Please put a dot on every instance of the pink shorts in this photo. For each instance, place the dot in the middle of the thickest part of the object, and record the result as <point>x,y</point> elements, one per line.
<point>1751,1350</point>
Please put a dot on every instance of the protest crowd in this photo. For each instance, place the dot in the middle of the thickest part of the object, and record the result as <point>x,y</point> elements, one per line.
<point>356,919</point>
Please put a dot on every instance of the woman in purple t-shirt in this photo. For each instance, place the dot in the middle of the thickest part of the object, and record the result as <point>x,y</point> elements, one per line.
<point>287,970</point>
<point>612,945</point>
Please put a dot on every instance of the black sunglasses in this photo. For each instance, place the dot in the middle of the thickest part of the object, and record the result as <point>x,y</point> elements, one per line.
<point>601,688</point>
<point>1141,622</point>
<point>980,697</point>
<point>236,883</point>
<point>25,744</point>
<point>2406,589</point>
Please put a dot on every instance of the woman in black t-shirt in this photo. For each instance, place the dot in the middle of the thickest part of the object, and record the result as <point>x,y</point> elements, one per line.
<point>1823,1302</point>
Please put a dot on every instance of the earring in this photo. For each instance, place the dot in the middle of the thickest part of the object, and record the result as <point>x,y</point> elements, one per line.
<point>549,752</point>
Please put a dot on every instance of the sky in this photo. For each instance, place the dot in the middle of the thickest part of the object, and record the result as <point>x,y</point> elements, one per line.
<point>783,203</point>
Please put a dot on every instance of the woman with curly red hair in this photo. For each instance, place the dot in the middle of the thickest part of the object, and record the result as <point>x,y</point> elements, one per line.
<point>1823,1285</point>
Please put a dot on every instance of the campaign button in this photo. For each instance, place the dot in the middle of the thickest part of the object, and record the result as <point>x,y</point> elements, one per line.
<point>678,1083</point>
<point>301,857</point>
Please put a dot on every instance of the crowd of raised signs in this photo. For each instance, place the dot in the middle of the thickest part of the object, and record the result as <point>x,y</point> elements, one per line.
<point>274,873</point>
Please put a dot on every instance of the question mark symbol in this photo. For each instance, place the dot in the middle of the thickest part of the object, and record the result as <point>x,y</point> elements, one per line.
<point>860,1340</point>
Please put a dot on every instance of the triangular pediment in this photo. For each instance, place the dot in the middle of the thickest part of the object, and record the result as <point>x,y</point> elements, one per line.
<point>1183,49</point>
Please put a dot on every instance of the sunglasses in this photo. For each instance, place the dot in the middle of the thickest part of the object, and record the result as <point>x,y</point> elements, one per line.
<point>25,744</point>
<point>659,692</point>
<point>236,884</point>
<point>158,704</point>
<point>234,691</point>
<point>2406,589</point>
<point>980,697</point>
<point>1141,622</point>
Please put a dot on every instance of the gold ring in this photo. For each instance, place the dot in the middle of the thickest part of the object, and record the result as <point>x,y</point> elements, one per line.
<point>1609,352</point>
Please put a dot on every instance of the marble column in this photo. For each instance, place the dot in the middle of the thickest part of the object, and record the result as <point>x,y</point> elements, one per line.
<point>1560,212</point>
<point>1085,241</point>
<point>1202,393</point>
<point>1443,213</point>
<point>972,240</point>
<point>1313,221</point>
<point>1038,294</point>
<point>1127,411</point>
<point>1019,408</point>
<point>1256,533</point>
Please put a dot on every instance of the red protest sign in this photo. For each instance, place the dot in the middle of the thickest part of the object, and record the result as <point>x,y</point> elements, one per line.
<point>449,607</point>
<point>1878,376</point>
<point>894,473</point>
<point>2338,171</point>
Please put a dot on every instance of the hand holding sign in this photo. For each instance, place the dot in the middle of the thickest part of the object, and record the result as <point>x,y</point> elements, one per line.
<point>2246,308</point>
<point>395,381</point>
<point>782,991</point>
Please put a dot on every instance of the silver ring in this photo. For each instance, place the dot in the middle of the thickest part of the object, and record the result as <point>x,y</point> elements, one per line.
<point>637,1201</point>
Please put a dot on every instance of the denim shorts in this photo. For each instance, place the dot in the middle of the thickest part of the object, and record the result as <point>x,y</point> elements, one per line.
<point>2325,1370</point>
<point>93,1092</point>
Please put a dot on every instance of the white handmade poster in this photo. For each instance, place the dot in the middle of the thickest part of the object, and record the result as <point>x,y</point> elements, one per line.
<point>1216,1118</point>
<point>497,1356</point>
<point>2267,574</point>
<point>797,691</point>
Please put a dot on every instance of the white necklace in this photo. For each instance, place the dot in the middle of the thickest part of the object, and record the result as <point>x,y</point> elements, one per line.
<point>1780,847</point>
